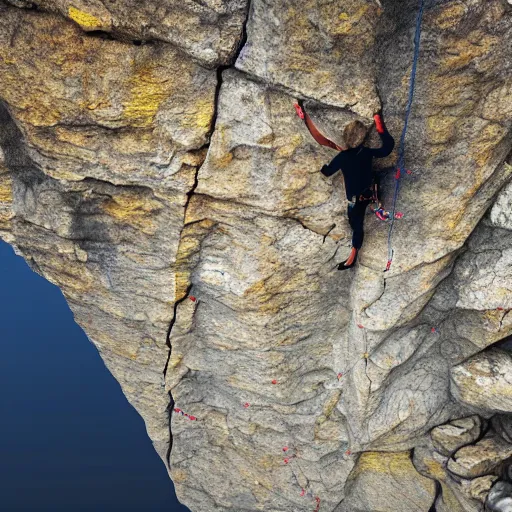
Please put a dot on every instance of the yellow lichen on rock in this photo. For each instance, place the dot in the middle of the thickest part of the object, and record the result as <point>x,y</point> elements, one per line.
<point>83,18</point>
<point>450,16</point>
<point>199,116</point>
<point>348,21</point>
<point>5,190</point>
<point>375,479</point>
<point>465,51</point>
<point>147,93</point>
<point>135,210</point>
<point>380,462</point>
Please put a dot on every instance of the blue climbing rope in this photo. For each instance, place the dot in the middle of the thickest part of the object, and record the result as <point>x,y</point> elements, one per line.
<point>401,148</point>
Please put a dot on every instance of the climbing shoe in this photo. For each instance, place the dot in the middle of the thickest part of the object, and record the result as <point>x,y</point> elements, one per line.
<point>346,265</point>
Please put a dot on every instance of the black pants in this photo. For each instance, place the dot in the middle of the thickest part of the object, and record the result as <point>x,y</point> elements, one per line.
<point>356,213</point>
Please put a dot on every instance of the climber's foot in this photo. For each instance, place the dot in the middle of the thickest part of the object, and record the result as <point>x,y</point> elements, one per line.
<point>350,261</point>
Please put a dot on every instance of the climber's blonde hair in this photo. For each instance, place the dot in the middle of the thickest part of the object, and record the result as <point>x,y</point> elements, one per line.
<point>354,134</point>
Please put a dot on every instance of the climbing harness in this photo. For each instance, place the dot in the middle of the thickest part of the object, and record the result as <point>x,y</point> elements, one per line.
<point>401,149</point>
<point>376,207</point>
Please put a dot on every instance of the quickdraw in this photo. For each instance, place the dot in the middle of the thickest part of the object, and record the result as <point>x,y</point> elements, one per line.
<point>189,416</point>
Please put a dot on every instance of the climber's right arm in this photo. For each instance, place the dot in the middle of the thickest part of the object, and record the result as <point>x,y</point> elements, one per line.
<point>388,143</point>
<point>315,132</point>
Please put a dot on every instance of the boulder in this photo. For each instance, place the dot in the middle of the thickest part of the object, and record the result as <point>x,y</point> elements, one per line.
<point>209,31</point>
<point>454,495</point>
<point>483,458</point>
<point>478,488</point>
<point>484,381</point>
<point>450,437</point>
<point>500,498</point>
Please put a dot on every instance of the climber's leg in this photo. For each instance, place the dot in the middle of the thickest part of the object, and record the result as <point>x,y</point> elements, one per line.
<point>356,212</point>
<point>356,220</point>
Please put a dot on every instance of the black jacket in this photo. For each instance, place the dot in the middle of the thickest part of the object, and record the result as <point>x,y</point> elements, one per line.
<point>356,165</point>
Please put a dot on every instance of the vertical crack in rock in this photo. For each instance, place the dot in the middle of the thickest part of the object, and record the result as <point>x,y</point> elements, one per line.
<point>190,194</point>
<point>174,316</point>
<point>439,490</point>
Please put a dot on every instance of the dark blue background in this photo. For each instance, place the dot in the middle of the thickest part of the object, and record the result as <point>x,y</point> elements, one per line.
<point>69,440</point>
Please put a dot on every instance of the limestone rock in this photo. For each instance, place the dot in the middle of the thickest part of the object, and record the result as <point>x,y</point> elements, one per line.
<point>478,488</point>
<point>484,274</point>
<point>452,436</point>
<point>210,31</point>
<point>387,482</point>
<point>98,171</point>
<point>502,424</point>
<point>485,381</point>
<point>501,211</point>
<point>500,498</point>
<point>111,111</point>
<point>455,494</point>
<point>480,459</point>
<point>322,51</point>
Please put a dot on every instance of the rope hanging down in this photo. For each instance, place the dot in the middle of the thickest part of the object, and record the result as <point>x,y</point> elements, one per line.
<point>401,148</point>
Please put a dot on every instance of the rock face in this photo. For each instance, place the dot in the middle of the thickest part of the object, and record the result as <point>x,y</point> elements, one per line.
<point>449,438</point>
<point>485,381</point>
<point>152,166</point>
<point>209,30</point>
<point>480,459</point>
<point>387,482</point>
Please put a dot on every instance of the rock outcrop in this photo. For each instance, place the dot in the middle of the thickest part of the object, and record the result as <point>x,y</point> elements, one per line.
<point>152,166</point>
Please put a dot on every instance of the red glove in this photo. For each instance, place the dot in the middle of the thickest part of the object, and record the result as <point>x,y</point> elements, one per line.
<point>379,123</point>
<point>299,110</point>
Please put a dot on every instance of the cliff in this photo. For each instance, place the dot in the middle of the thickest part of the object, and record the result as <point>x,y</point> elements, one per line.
<point>153,167</point>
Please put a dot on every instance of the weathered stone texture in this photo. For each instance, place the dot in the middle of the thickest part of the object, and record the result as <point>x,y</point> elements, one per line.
<point>320,50</point>
<point>452,436</point>
<point>387,482</point>
<point>480,459</point>
<point>484,382</point>
<point>168,198</point>
<point>209,30</point>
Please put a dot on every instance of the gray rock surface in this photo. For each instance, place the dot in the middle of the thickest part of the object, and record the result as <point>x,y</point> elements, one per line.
<point>322,51</point>
<point>454,494</point>
<point>479,488</point>
<point>483,458</point>
<point>501,211</point>
<point>502,424</point>
<point>210,30</point>
<point>500,498</point>
<point>387,482</point>
<point>484,381</point>
<point>452,436</point>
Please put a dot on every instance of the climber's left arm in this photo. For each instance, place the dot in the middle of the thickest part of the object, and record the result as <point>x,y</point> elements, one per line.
<point>333,166</point>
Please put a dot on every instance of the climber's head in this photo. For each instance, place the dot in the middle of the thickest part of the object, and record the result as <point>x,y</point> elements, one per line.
<point>354,134</point>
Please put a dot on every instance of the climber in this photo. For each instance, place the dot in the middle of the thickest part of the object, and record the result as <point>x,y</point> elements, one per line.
<point>355,161</point>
